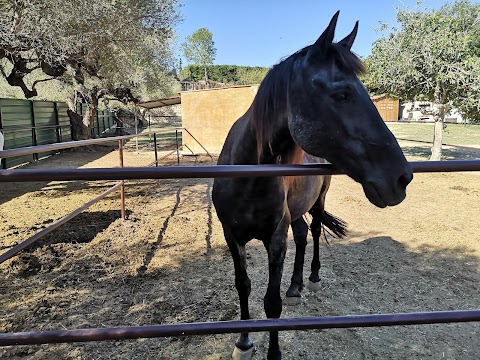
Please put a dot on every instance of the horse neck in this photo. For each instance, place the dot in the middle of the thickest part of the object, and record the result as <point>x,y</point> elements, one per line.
<point>279,147</point>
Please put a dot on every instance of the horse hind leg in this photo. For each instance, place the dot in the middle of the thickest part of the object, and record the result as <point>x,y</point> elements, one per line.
<point>316,229</point>
<point>337,227</point>
<point>244,345</point>
<point>300,232</point>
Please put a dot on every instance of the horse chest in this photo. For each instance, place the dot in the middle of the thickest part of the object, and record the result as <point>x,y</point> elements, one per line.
<point>252,208</point>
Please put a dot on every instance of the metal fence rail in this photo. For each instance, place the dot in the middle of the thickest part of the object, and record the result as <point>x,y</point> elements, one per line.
<point>57,146</point>
<point>225,327</point>
<point>211,171</point>
<point>122,333</point>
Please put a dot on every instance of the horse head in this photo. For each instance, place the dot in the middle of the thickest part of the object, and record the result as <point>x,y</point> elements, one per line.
<point>331,115</point>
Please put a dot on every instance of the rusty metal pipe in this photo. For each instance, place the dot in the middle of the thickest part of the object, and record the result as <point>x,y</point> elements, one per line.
<point>224,327</point>
<point>122,182</point>
<point>26,175</point>
<point>68,144</point>
<point>155,149</point>
<point>178,153</point>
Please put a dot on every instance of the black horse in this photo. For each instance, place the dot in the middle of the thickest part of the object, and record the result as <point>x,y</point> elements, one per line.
<point>309,106</point>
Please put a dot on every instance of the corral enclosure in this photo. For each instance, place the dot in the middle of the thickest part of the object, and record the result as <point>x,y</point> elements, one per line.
<point>169,263</point>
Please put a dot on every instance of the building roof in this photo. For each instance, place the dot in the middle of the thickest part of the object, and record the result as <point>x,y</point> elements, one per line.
<point>152,104</point>
<point>222,88</point>
<point>382,96</point>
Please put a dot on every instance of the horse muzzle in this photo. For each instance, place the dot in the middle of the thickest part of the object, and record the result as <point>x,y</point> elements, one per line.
<point>391,191</point>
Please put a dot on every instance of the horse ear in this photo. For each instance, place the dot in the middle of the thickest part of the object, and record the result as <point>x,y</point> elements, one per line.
<point>326,39</point>
<point>350,38</point>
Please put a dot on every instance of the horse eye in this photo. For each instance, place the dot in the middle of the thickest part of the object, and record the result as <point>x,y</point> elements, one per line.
<point>341,97</point>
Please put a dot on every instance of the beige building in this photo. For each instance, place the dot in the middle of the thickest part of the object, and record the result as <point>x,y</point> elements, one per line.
<point>209,114</point>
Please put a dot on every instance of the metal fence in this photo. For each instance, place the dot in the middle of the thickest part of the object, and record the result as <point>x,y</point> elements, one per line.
<point>34,122</point>
<point>222,327</point>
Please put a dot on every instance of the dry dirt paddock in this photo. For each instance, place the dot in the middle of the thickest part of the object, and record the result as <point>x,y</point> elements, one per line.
<point>168,263</point>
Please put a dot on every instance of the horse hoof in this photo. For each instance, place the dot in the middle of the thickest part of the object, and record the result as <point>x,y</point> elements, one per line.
<point>292,300</point>
<point>313,286</point>
<point>239,354</point>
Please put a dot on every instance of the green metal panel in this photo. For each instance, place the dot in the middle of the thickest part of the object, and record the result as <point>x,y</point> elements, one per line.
<point>17,117</point>
<point>15,113</point>
<point>45,120</point>
<point>64,122</point>
<point>16,121</point>
<point>44,113</point>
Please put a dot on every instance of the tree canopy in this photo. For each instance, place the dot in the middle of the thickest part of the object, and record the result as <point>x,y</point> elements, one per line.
<point>239,75</point>
<point>100,48</point>
<point>80,39</point>
<point>199,48</point>
<point>431,55</point>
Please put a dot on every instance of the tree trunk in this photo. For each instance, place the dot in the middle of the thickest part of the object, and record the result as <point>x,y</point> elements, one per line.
<point>89,119</point>
<point>438,134</point>
<point>75,119</point>
<point>82,127</point>
<point>437,140</point>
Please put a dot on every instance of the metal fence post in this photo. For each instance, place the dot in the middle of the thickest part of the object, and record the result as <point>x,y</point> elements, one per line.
<point>178,154</point>
<point>57,122</point>
<point>34,130</point>
<point>98,122</point>
<point>136,129</point>
<point>122,187</point>
<point>3,162</point>
<point>155,147</point>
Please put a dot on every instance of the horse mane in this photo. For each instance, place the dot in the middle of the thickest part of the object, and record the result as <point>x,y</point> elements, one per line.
<point>272,93</point>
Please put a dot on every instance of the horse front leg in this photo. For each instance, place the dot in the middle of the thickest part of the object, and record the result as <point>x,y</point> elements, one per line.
<point>244,345</point>
<point>300,232</point>
<point>272,301</point>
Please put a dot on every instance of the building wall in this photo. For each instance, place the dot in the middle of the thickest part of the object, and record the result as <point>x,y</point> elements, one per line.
<point>422,111</point>
<point>387,107</point>
<point>209,114</point>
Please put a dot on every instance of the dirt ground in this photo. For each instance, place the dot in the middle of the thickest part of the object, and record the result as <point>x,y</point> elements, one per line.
<point>168,263</point>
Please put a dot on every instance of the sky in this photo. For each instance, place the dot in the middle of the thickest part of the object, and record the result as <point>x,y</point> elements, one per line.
<point>261,33</point>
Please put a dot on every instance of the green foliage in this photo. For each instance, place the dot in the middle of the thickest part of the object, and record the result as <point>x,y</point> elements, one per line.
<point>431,55</point>
<point>199,48</point>
<point>240,75</point>
<point>93,46</point>
<point>53,90</point>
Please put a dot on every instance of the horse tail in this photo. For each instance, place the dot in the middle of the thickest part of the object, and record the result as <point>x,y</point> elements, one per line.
<point>337,226</point>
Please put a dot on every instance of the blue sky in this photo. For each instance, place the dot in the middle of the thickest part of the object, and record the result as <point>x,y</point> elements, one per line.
<point>260,33</point>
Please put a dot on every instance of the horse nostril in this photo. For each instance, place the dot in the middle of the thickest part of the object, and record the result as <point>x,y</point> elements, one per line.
<point>405,179</point>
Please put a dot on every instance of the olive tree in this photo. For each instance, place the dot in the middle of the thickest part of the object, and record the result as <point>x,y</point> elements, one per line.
<point>102,49</point>
<point>431,55</point>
